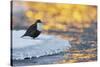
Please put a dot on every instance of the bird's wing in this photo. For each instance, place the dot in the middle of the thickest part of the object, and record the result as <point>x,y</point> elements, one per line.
<point>31,28</point>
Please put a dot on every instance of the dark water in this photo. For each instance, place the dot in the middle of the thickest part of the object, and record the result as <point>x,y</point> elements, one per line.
<point>50,59</point>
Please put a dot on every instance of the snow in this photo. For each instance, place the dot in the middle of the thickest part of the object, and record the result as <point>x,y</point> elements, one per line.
<point>42,45</point>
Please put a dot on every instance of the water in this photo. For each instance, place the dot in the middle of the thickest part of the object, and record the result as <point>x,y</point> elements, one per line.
<point>49,59</point>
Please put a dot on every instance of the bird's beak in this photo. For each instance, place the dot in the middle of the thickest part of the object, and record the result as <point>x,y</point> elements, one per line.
<point>39,26</point>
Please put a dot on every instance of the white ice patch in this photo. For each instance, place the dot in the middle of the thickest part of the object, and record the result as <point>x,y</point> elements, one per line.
<point>42,45</point>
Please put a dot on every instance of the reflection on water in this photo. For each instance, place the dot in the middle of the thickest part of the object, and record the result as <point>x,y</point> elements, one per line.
<point>84,44</point>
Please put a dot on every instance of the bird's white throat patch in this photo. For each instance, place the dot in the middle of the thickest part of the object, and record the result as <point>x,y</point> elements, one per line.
<point>39,26</point>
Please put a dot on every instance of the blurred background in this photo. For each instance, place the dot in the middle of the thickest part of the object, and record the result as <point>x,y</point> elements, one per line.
<point>74,22</point>
<point>55,16</point>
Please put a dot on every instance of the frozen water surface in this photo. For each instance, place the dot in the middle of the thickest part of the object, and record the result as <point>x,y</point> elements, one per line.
<point>40,46</point>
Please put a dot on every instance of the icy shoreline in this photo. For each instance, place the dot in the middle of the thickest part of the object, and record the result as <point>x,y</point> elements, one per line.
<point>41,46</point>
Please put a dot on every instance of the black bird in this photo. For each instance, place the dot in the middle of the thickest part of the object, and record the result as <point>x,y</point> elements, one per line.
<point>34,30</point>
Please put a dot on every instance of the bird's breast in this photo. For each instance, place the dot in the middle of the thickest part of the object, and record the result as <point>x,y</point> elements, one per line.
<point>39,26</point>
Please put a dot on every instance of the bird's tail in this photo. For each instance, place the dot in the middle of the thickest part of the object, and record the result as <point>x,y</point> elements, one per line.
<point>22,36</point>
